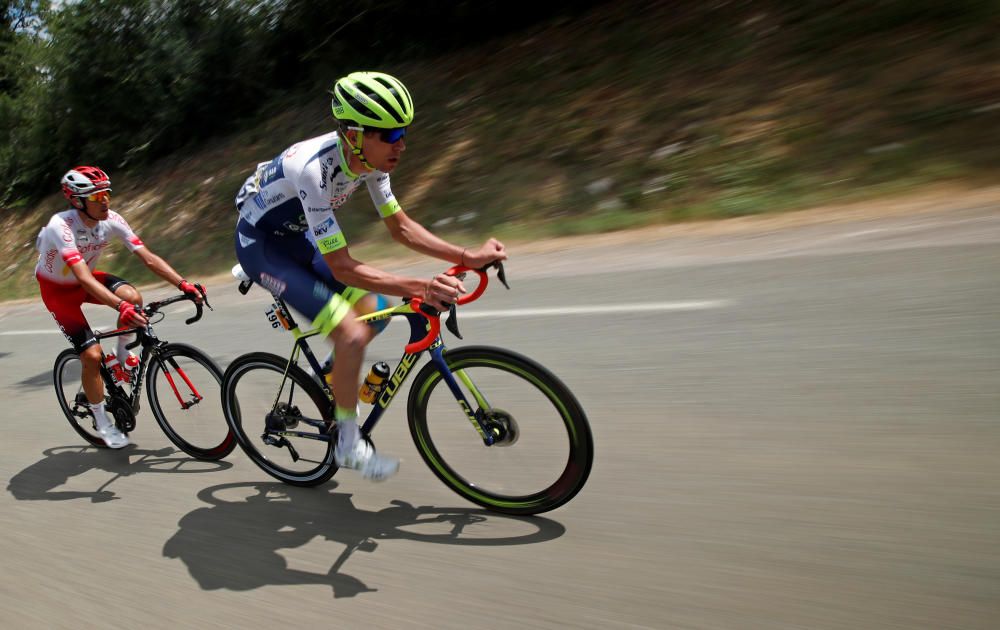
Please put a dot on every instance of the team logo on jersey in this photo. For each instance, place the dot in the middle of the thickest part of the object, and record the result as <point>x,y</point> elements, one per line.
<point>263,202</point>
<point>340,200</point>
<point>292,151</point>
<point>324,227</point>
<point>296,226</point>
<point>269,172</point>
<point>50,258</point>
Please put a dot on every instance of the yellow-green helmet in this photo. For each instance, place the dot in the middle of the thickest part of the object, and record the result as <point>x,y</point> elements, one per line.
<point>372,99</point>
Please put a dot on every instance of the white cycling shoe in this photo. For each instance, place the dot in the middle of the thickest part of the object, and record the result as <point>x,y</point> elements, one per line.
<point>113,438</point>
<point>363,458</point>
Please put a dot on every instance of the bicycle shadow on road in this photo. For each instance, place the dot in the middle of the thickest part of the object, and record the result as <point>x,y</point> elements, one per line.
<point>235,543</point>
<point>38,482</point>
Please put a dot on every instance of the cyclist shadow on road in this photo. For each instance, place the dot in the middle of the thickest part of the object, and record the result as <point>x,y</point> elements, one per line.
<point>236,543</point>
<point>37,381</point>
<point>38,482</point>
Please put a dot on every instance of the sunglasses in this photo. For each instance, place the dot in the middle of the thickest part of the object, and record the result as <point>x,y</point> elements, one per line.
<point>103,195</point>
<point>390,136</point>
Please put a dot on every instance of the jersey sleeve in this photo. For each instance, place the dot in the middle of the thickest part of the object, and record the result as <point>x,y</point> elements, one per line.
<point>381,192</point>
<point>315,196</point>
<point>122,230</point>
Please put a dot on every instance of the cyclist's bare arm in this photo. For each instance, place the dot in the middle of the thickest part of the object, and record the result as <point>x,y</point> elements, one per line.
<point>92,286</point>
<point>412,234</point>
<point>408,232</point>
<point>158,266</point>
<point>163,269</point>
<point>354,273</point>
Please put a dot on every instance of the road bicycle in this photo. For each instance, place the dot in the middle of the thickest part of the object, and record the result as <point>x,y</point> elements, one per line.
<point>510,437</point>
<point>181,384</point>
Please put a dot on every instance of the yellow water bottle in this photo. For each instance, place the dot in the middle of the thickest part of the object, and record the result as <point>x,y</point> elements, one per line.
<point>374,382</point>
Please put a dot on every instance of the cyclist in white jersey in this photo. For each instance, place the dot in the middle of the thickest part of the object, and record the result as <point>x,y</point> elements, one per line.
<point>288,239</point>
<point>68,249</point>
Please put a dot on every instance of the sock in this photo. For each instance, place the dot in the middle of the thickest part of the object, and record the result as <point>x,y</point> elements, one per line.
<point>122,352</point>
<point>99,414</point>
<point>347,426</point>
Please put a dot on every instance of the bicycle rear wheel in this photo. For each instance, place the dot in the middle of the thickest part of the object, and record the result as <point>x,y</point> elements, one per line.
<point>69,392</point>
<point>256,385</point>
<point>183,385</point>
<point>545,450</point>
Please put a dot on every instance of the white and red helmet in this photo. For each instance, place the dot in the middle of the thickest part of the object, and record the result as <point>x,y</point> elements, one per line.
<point>81,181</point>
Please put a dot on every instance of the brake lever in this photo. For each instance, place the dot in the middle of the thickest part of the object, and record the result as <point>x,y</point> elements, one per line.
<point>452,322</point>
<point>501,274</point>
<point>204,296</point>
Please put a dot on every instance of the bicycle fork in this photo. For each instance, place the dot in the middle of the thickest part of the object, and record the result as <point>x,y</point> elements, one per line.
<point>195,396</point>
<point>476,418</point>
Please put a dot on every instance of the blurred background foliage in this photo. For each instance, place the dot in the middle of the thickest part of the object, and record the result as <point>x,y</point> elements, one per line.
<point>532,118</point>
<point>124,81</point>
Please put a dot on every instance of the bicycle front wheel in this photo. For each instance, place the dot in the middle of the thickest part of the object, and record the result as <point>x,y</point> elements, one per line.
<point>544,449</point>
<point>66,375</point>
<point>183,385</point>
<point>256,386</point>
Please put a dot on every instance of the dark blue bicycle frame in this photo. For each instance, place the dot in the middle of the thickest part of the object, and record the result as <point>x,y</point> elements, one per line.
<point>418,330</point>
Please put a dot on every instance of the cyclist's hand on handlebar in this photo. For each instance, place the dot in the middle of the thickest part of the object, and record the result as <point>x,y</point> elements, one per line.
<point>442,291</point>
<point>129,315</point>
<point>490,251</point>
<point>196,291</point>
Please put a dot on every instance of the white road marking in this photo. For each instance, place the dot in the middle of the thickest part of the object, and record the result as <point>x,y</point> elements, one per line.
<point>47,331</point>
<point>559,311</point>
<point>603,309</point>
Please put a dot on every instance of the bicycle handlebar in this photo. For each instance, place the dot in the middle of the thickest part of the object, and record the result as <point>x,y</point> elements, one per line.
<point>433,315</point>
<point>153,307</point>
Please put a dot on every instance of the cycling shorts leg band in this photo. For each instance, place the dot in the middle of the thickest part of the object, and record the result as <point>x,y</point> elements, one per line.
<point>380,303</point>
<point>353,294</point>
<point>332,314</point>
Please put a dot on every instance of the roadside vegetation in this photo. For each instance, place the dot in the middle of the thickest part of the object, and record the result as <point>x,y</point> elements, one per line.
<point>588,118</point>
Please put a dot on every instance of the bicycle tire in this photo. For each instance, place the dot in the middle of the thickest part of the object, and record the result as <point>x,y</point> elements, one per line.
<point>210,447</point>
<point>245,432</point>
<point>569,481</point>
<point>82,420</point>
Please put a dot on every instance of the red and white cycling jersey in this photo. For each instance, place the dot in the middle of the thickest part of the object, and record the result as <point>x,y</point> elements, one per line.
<point>66,241</point>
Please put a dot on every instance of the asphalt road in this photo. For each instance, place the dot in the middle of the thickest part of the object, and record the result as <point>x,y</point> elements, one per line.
<point>794,429</point>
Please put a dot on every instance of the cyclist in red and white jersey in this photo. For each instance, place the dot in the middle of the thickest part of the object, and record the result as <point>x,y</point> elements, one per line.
<point>288,239</point>
<point>67,274</point>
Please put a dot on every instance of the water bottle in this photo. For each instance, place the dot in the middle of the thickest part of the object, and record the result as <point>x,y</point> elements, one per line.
<point>374,383</point>
<point>116,369</point>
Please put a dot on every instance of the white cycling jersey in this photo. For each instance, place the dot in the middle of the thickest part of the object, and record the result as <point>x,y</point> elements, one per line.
<point>296,193</point>
<point>66,241</point>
